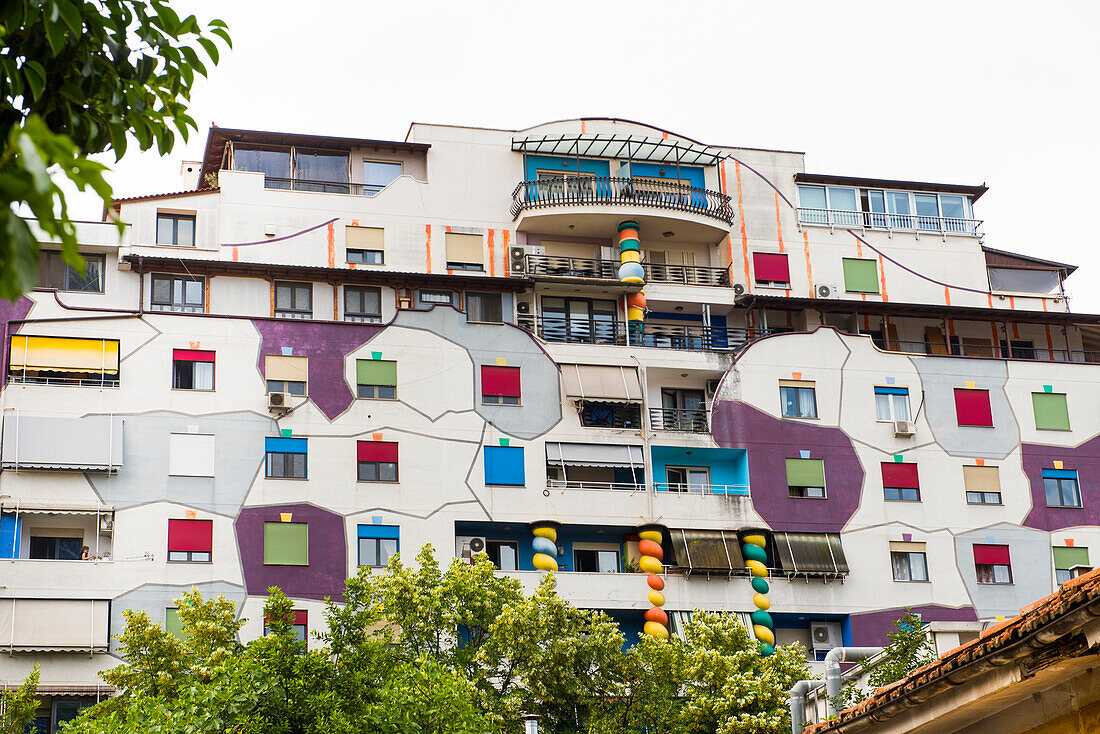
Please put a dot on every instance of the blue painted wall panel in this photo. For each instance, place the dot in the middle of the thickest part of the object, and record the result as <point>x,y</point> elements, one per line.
<point>9,536</point>
<point>379,531</point>
<point>285,445</point>
<point>727,466</point>
<point>504,466</point>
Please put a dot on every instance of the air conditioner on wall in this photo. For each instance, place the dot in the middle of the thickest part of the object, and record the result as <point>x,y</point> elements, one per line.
<point>826,290</point>
<point>277,402</point>
<point>517,262</point>
<point>466,547</point>
<point>712,386</point>
<point>825,635</point>
<point>740,289</point>
<point>904,429</point>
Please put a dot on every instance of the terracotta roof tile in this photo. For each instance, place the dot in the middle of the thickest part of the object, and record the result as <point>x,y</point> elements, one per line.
<point>191,192</point>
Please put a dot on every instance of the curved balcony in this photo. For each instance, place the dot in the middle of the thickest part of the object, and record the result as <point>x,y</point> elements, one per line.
<point>665,204</point>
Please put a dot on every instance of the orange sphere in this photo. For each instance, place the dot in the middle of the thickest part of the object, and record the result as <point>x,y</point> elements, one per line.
<point>637,300</point>
<point>655,582</point>
<point>655,614</point>
<point>649,548</point>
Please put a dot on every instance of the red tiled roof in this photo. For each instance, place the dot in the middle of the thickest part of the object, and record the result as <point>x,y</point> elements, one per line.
<point>192,192</point>
<point>1071,597</point>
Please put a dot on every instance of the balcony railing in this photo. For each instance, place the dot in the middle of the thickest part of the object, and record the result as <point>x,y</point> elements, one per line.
<point>684,337</point>
<point>687,420</point>
<point>989,351</point>
<point>726,489</point>
<point>621,486</point>
<point>598,414</point>
<point>580,267</point>
<point>602,190</point>
<point>890,222</point>
<point>321,187</point>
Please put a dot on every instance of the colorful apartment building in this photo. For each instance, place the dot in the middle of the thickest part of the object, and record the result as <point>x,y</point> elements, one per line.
<point>324,351</point>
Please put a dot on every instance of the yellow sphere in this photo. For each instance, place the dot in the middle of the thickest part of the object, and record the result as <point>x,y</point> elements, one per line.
<point>764,634</point>
<point>649,564</point>
<point>756,568</point>
<point>656,629</point>
<point>656,598</point>
<point>543,562</point>
<point>761,601</point>
<point>755,540</point>
<point>654,535</point>
<point>548,533</point>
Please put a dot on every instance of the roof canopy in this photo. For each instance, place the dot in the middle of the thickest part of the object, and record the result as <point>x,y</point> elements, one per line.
<point>631,147</point>
<point>974,192</point>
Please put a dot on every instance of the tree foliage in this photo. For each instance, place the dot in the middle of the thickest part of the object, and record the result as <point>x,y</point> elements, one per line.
<point>423,650</point>
<point>79,77</point>
<point>18,707</point>
<point>910,647</point>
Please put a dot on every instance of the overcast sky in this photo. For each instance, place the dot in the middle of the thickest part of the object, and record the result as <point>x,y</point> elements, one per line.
<point>1004,93</point>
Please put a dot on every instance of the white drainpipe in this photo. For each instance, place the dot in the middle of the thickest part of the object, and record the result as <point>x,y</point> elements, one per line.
<point>833,660</point>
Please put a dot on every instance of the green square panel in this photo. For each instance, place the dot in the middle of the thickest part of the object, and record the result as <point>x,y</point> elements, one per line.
<point>860,276</point>
<point>1066,558</point>
<point>286,544</point>
<point>1051,411</point>
<point>805,473</point>
<point>172,622</point>
<point>376,372</point>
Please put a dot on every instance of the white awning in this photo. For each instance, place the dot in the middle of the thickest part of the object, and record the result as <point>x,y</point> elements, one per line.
<point>41,507</point>
<point>592,454</point>
<point>627,147</point>
<point>601,382</point>
<point>54,625</point>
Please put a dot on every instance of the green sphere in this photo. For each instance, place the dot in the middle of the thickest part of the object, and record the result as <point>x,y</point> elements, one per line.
<point>754,553</point>
<point>759,585</point>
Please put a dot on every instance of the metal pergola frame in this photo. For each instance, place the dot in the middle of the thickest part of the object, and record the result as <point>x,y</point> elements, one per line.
<point>620,146</point>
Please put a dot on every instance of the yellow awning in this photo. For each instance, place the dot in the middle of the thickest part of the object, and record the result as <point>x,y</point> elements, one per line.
<point>64,354</point>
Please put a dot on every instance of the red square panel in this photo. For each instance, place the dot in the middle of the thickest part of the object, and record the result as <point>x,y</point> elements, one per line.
<point>972,407</point>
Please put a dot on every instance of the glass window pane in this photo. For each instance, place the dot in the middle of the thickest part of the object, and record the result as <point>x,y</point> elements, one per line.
<point>387,471</point>
<point>882,407</point>
<point>926,205</point>
<point>273,163</point>
<point>386,547</point>
<point>166,231</point>
<point>1001,575</point>
<point>507,557</point>
<point>185,231</point>
<point>203,375</point>
<point>901,407</point>
<point>321,167</point>
<point>1053,492</point>
<point>377,175</point>
<point>952,206</point>
<point>368,552</point>
<point>842,200</point>
<point>194,292</point>
<point>918,567</point>
<point>607,561</point>
<point>899,563</point>
<point>811,197</point>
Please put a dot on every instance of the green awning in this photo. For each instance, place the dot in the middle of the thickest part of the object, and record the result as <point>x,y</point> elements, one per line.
<point>805,473</point>
<point>286,544</point>
<point>860,276</point>
<point>1067,558</point>
<point>376,372</point>
<point>1051,411</point>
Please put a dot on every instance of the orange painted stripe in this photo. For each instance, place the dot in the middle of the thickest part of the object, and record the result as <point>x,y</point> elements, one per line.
<point>1044,304</point>
<point>744,233</point>
<point>272,293</point>
<point>428,247</point>
<point>331,246</point>
<point>989,297</point>
<point>882,279</point>
<point>582,127</point>
<point>859,248</point>
<point>236,254</point>
<point>1012,302</point>
<point>1050,342</point>
<point>947,295</point>
<point>809,270</point>
<point>207,292</point>
<point>1015,331</point>
<point>351,265</point>
<point>492,253</point>
<point>504,248</point>
<point>778,223</point>
<point>996,336</point>
<point>951,327</point>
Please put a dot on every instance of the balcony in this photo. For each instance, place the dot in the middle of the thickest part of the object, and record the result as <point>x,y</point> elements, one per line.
<point>688,337</point>
<point>890,222</point>
<point>579,267</point>
<point>719,489</point>
<point>655,193</point>
<point>990,351</point>
<point>321,187</point>
<point>684,420</point>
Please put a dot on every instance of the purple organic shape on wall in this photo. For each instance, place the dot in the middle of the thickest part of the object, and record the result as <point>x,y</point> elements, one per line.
<point>769,442</point>
<point>326,345</point>
<point>11,311</point>
<point>327,570</point>
<point>1085,460</point>
<point>870,628</point>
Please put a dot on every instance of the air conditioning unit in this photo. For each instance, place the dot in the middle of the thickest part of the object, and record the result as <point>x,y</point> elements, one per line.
<point>712,386</point>
<point>824,290</point>
<point>825,635</point>
<point>277,402</point>
<point>740,289</point>
<point>466,547</point>
<point>517,262</point>
<point>523,307</point>
<point>904,429</point>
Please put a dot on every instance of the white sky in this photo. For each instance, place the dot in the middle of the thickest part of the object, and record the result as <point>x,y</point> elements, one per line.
<point>960,92</point>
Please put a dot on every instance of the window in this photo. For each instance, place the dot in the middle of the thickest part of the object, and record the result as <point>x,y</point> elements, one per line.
<point>500,385</point>
<point>54,273</point>
<point>595,558</point>
<point>465,251</point>
<point>909,561</point>
<point>56,360</point>
<point>797,399</point>
<point>362,303</point>
<point>286,544</point>
<point>365,245</point>
<point>55,549</point>
<point>992,564</point>
<point>286,374</point>
<point>377,461</point>
<point>1019,280</point>
<point>972,407</point>
<point>1051,411</point>
<point>376,379</point>
<point>1069,562</point>
<point>176,229</point>
<point>285,458</point>
<point>610,415</point>
<point>179,293</point>
<point>274,164</point>
<point>503,553</point>
<point>484,307</point>
<point>191,455</point>
<point>983,485</point>
<point>377,175</point>
<point>377,543</point>
<point>192,369</point>
<point>860,276</point>
<point>694,479</point>
<point>321,171</point>
<point>504,466</point>
<point>882,209</point>
<point>891,403</point>
<point>1061,487</point>
<point>899,482</point>
<point>293,300</point>
<point>190,541</point>
<point>771,269</point>
<point>299,625</point>
<point>828,205</point>
<point>580,320</point>
<point>806,478</point>
<point>429,298</point>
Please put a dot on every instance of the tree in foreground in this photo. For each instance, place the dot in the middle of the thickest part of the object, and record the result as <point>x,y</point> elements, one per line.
<point>419,650</point>
<point>77,77</point>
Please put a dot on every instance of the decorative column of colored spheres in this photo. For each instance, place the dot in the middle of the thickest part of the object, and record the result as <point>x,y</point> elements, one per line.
<point>752,549</point>
<point>545,545</point>
<point>649,545</point>
<point>631,271</point>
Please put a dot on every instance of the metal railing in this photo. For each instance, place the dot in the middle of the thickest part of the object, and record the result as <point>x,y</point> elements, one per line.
<point>656,193</point>
<point>582,267</point>
<point>687,420</point>
<point>24,379</point>
<point>621,486</point>
<point>890,222</point>
<point>321,187</point>
<point>724,489</point>
<point>991,351</point>
<point>683,337</point>
<point>611,415</point>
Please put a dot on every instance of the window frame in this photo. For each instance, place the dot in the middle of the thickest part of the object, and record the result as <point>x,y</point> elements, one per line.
<point>45,258</point>
<point>797,403</point>
<point>892,394</point>
<point>502,400</point>
<point>1059,480</point>
<point>909,564</point>
<point>363,317</point>
<point>378,465</point>
<point>363,252</point>
<point>377,542</point>
<point>992,574</point>
<point>213,373</point>
<point>277,523</point>
<point>189,554</point>
<point>494,546</point>
<point>293,312</point>
<point>284,454</point>
<point>172,306</point>
<point>481,296</point>
<point>372,189</point>
<point>176,218</point>
<point>597,549</point>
